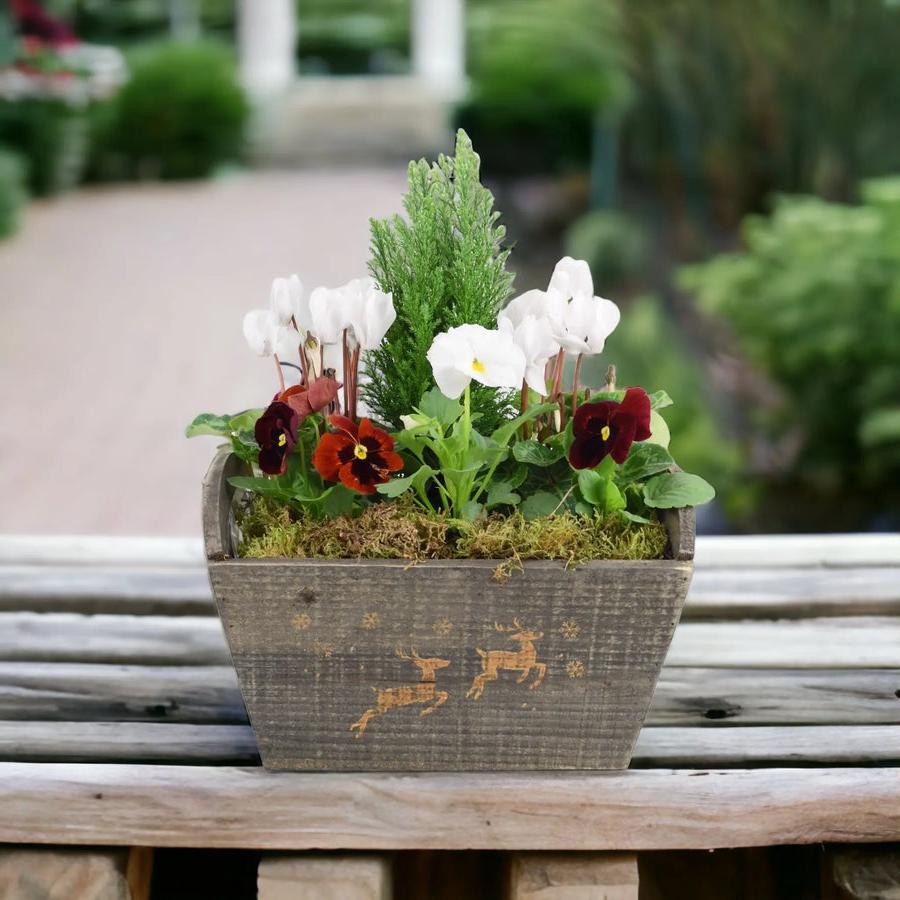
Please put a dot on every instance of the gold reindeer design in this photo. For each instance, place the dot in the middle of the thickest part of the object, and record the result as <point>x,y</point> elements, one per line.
<point>522,660</point>
<point>407,694</point>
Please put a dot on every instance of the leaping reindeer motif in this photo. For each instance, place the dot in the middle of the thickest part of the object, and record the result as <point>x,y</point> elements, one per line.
<point>408,694</point>
<point>522,660</point>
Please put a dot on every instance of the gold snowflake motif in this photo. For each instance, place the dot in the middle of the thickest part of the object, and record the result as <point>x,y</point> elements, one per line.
<point>370,621</point>
<point>570,629</point>
<point>301,621</point>
<point>575,669</point>
<point>324,649</point>
<point>443,626</point>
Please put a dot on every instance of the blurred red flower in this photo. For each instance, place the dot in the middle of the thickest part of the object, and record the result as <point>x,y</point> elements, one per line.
<point>359,457</point>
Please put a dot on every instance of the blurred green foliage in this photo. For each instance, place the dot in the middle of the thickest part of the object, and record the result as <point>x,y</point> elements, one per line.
<point>180,115</point>
<point>52,135</point>
<point>814,301</point>
<point>541,73</point>
<point>12,191</point>
<point>613,243</point>
<point>648,351</point>
<point>124,22</point>
<point>740,98</point>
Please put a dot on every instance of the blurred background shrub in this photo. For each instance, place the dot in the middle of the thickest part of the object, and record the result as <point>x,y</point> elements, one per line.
<point>13,193</point>
<point>814,301</point>
<point>613,243</point>
<point>181,114</point>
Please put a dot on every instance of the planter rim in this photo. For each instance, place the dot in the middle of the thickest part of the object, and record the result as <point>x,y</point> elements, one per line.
<point>219,545</point>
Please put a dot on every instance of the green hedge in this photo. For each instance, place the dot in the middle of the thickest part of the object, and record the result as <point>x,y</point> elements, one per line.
<point>13,194</point>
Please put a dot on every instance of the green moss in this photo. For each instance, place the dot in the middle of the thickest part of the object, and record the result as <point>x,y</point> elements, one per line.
<point>400,530</point>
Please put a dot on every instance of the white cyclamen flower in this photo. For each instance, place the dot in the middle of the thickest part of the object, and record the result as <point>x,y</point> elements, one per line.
<point>472,351</point>
<point>267,336</point>
<point>370,312</point>
<point>287,301</point>
<point>329,314</point>
<point>534,337</point>
<point>586,321</point>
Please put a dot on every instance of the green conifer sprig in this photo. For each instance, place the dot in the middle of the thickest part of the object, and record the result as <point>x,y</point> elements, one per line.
<point>445,265</point>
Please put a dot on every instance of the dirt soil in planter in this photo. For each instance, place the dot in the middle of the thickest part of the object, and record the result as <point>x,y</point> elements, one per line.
<point>402,531</point>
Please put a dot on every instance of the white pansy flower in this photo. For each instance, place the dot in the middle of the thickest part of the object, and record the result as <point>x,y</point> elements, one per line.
<point>267,336</point>
<point>369,311</point>
<point>288,301</point>
<point>472,351</point>
<point>534,337</point>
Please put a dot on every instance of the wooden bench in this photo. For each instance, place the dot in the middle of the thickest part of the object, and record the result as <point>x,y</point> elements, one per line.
<point>776,720</point>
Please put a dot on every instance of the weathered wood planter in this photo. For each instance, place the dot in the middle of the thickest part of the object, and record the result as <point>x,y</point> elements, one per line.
<point>378,665</point>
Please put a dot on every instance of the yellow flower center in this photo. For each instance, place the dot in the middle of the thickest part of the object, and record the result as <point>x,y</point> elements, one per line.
<point>478,366</point>
<point>282,440</point>
<point>360,451</point>
<point>604,432</point>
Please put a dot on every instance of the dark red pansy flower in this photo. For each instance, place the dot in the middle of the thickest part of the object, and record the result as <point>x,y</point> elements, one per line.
<point>359,457</point>
<point>607,427</point>
<point>276,434</point>
<point>305,401</point>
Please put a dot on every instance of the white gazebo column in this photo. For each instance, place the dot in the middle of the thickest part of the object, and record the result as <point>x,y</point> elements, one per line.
<point>439,45</point>
<point>267,36</point>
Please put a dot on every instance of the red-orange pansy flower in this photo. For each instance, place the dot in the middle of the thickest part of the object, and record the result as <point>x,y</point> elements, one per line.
<point>359,457</point>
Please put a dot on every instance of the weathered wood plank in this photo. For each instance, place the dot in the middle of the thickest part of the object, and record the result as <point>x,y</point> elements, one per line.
<point>832,550</point>
<point>313,877</point>
<point>135,742</point>
<point>684,696</point>
<point>757,593</point>
<point>573,876</point>
<point>845,642</point>
<point>104,589</point>
<point>707,696</point>
<point>784,745</point>
<point>127,742</point>
<point>151,640</point>
<point>74,550</point>
<point>95,692</point>
<point>864,873</point>
<point>640,809</point>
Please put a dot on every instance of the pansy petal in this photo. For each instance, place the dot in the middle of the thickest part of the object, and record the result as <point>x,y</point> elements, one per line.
<point>327,459</point>
<point>636,404</point>
<point>345,425</point>
<point>586,451</point>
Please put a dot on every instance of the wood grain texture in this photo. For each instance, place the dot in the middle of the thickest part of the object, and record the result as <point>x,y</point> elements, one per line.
<point>845,642</point>
<point>573,876</point>
<point>151,640</point>
<point>165,806</point>
<point>833,551</point>
<point>313,642</point>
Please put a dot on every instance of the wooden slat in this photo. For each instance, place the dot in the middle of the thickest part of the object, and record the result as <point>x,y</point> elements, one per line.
<point>104,742</point>
<point>127,741</point>
<point>809,643</point>
<point>95,692</point>
<point>151,640</point>
<point>640,809</point>
<point>26,549</point>
<point>706,696</point>
<point>833,550</point>
<point>791,745</point>
<point>128,590</point>
<point>684,696</point>
<point>757,593</point>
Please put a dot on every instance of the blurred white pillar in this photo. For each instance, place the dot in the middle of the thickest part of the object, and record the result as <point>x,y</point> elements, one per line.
<point>439,45</point>
<point>267,36</point>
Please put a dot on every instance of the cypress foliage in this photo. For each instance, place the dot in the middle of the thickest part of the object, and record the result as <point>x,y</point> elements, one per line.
<point>445,265</point>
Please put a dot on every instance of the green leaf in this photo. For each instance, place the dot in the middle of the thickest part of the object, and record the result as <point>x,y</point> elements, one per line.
<point>508,429</point>
<point>501,493</point>
<point>265,487</point>
<point>659,400</point>
<point>436,406</point>
<point>673,490</point>
<point>632,517</point>
<point>472,510</point>
<point>537,454</point>
<point>600,491</point>
<point>540,504</point>
<point>246,420</point>
<point>659,431</point>
<point>644,459</point>
<point>398,486</point>
<point>209,423</point>
<point>338,501</point>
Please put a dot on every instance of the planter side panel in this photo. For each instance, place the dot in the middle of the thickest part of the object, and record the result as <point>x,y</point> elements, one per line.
<point>370,665</point>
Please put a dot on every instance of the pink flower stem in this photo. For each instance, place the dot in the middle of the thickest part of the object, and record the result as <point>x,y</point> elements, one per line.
<point>304,362</point>
<point>523,408</point>
<point>575,382</point>
<point>346,360</point>
<point>280,373</point>
<point>354,382</point>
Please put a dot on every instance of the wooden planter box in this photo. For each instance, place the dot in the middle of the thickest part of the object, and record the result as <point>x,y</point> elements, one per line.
<point>378,665</point>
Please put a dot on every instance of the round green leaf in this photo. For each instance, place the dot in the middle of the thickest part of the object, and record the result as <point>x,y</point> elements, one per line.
<point>674,490</point>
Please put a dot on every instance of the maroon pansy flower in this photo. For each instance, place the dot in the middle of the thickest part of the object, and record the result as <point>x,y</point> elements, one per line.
<point>360,457</point>
<point>276,434</point>
<point>607,427</point>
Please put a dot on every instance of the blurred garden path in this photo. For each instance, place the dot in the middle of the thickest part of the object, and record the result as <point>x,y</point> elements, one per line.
<point>120,319</point>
